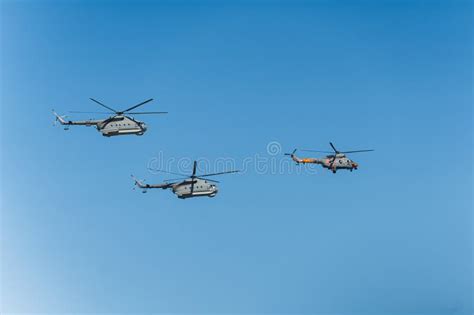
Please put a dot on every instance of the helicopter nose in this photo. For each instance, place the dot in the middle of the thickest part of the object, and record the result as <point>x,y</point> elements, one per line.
<point>355,165</point>
<point>144,126</point>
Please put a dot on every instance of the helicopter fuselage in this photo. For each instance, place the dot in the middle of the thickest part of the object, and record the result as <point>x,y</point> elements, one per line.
<point>202,188</point>
<point>331,162</point>
<point>116,125</point>
<point>121,125</point>
<point>187,187</point>
<point>335,161</point>
<point>340,161</point>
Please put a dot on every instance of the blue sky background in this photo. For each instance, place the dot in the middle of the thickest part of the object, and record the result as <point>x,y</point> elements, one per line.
<point>393,237</point>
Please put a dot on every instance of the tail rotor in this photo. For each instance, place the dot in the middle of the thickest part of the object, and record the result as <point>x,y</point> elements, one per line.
<point>61,119</point>
<point>139,183</point>
<point>292,154</point>
<point>293,157</point>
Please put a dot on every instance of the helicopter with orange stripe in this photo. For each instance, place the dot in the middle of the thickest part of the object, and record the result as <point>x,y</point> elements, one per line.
<point>334,161</point>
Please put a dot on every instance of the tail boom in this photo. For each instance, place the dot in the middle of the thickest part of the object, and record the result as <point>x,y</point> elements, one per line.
<point>305,160</point>
<point>142,185</point>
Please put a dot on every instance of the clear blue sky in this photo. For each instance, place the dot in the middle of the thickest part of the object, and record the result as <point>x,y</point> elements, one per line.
<point>394,237</point>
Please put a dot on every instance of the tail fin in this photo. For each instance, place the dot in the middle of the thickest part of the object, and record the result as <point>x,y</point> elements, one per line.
<point>138,182</point>
<point>59,118</point>
<point>294,157</point>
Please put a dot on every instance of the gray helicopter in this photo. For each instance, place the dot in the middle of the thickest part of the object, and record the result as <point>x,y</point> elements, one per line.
<point>336,160</point>
<point>116,125</point>
<point>187,187</point>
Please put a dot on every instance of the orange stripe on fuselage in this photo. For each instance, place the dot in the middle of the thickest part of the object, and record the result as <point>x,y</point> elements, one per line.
<point>308,160</point>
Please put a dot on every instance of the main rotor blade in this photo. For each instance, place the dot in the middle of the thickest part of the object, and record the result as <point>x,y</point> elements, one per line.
<point>335,150</point>
<point>175,179</point>
<point>207,179</point>
<point>316,151</point>
<point>189,181</point>
<point>332,161</point>
<point>357,151</point>
<point>109,108</point>
<point>172,173</point>
<point>215,174</point>
<point>192,186</point>
<point>80,112</point>
<point>133,107</point>
<point>142,113</point>
<point>194,169</point>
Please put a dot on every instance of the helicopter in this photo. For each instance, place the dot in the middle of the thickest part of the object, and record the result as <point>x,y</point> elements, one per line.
<point>334,161</point>
<point>117,124</point>
<point>187,187</point>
